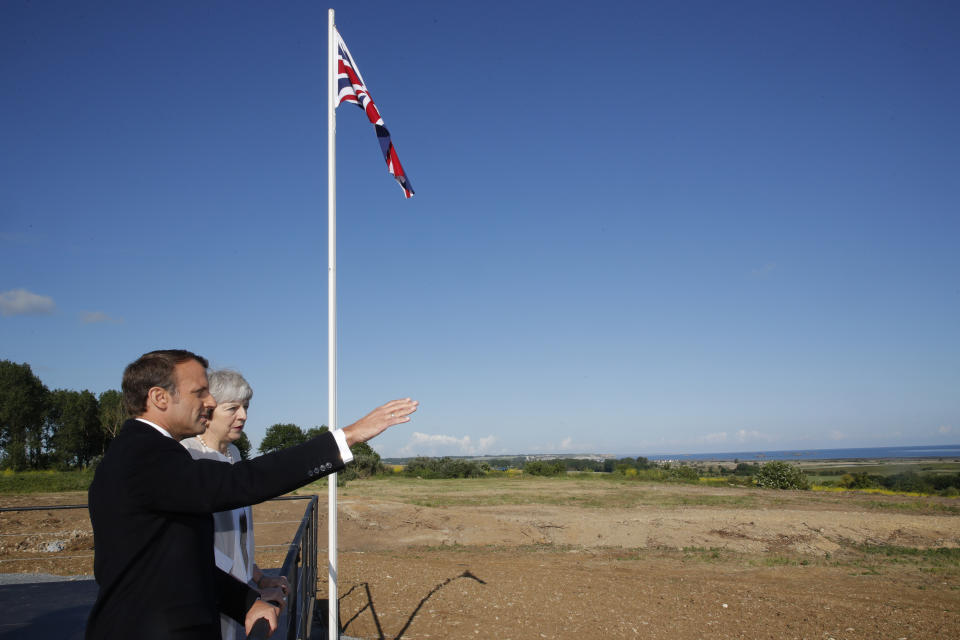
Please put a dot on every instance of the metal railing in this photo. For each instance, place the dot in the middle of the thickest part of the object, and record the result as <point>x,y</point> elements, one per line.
<point>300,569</point>
<point>49,507</point>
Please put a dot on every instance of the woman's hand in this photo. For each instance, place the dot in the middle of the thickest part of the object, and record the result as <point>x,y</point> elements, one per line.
<point>274,595</point>
<point>279,582</point>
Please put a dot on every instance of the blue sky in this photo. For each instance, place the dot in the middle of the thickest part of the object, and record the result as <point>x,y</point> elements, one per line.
<point>654,227</point>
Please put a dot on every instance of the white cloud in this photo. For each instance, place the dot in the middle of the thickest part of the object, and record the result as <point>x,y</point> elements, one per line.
<point>837,435</point>
<point>945,430</point>
<point>20,302</point>
<point>92,317</point>
<point>567,444</point>
<point>743,435</point>
<point>439,444</point>
<point>720,436</point>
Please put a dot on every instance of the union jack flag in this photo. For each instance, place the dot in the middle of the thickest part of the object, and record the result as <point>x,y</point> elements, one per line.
<point>351,88</point>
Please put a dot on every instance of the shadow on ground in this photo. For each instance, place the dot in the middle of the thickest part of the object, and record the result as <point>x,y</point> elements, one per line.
<point>320,618</point>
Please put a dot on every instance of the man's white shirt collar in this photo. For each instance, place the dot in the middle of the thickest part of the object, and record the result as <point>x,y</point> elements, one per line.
<point>156,426</point>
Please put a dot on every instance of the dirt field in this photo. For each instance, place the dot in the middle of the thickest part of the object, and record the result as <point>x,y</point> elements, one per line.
<point>587,558</point>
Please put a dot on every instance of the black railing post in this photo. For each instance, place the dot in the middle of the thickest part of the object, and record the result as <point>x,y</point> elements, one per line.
<point>295,621</point>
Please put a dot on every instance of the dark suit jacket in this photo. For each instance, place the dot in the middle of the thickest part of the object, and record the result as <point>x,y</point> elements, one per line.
<point>150,504</point>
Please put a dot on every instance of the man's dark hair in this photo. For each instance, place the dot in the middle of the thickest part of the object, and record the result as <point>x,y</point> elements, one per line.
<point>154,369</point>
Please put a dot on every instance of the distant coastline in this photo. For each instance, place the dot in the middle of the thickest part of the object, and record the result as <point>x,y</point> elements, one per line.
<point>751,455</point>
<point>860,453</point>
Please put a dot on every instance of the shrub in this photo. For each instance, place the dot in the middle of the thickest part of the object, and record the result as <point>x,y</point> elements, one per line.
<point>683,473</point>
<point>542,468</point>
<point>746,469</point>
<point>780,475</point>
<point>909,481</point>
<point>45,481</point>
<point>366,463</point>
<point>442,468</point>
<point>861,480</point>
<point>945,482</point>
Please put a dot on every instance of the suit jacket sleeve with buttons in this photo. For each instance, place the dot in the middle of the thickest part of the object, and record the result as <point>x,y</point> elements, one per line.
<point>150,505</point>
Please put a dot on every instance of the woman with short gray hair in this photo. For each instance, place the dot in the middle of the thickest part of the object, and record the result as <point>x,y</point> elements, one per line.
<point>233,530</point>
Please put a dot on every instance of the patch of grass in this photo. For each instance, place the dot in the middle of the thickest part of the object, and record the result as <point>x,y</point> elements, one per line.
<point>727,481</point>
<point>710,500</point>
<point>873,559</point>
<point>783,561</point>
<point>605,500</point>
<point>504,499</point>
<point>871,490</point>
<point>456,547</point>
<point>12,482</point>
<point>925,506</point>
<point>704,554</point>
<point>880,468</point>
<point>939,556</point>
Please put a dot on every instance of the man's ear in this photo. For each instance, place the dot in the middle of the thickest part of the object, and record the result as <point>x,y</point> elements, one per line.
<point>158,397</point>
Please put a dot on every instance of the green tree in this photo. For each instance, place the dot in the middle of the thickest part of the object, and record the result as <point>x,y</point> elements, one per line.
<point>313,432</point>
<point>780,475</point>
<point>543,468</point>
<point>366,462</point>
<point>74,422</point>
<point>23,406</point>
<point>746,469</point>
<point>857,480</point>
<point>683,473</point>
<point>243,444</point>
<point>907,481</point>
<point>644,463</point>
<point>282,436</point>
<point>423,467</point>
<point>112,415</point>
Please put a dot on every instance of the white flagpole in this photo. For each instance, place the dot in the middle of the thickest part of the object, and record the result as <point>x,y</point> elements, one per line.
<point>332,593</point>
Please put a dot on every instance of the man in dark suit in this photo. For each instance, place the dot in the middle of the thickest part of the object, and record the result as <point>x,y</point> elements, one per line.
<point>151,503</point>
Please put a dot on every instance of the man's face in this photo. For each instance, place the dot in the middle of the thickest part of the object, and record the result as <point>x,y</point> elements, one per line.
<point>191,406</point>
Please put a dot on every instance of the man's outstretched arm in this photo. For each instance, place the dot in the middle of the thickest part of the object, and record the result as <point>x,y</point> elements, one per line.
<point>379,420</point>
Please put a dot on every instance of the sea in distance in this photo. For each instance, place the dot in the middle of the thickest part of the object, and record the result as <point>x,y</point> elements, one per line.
<point>866,453</point>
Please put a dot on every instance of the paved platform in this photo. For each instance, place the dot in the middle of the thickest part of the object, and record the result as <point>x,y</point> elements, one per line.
<point>41,610</point>
<point>57,608</point>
